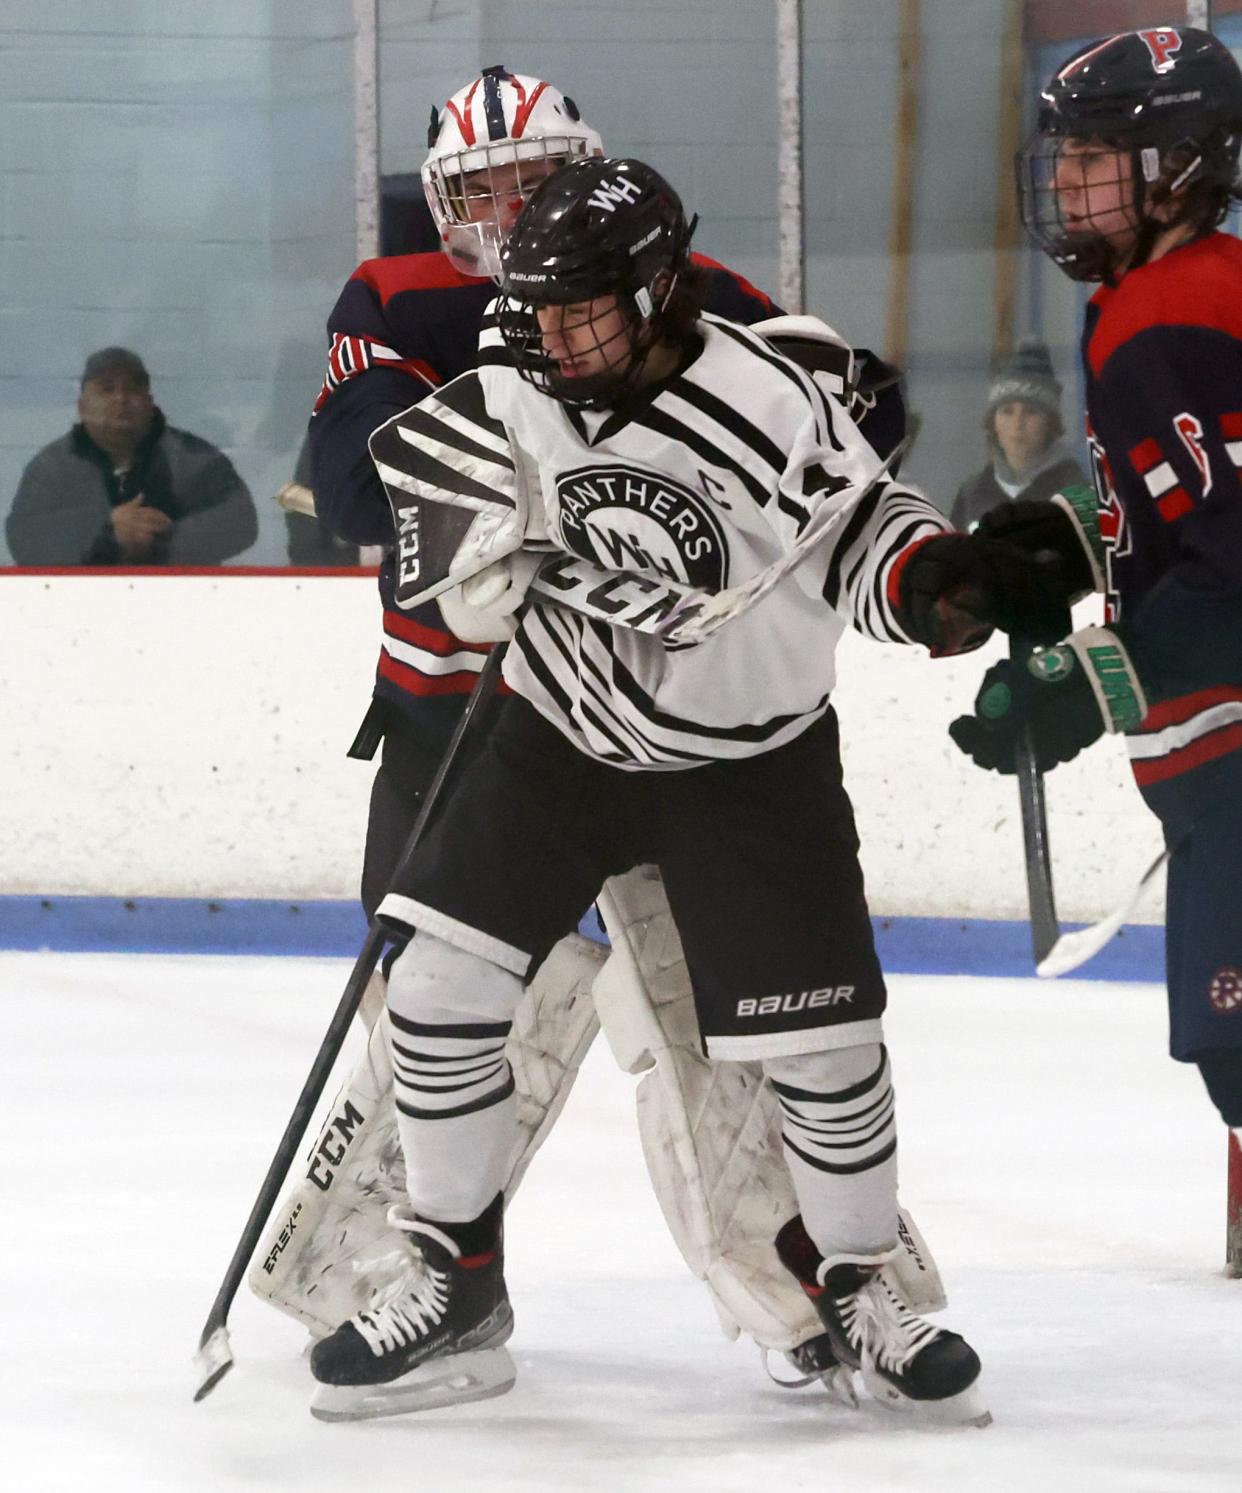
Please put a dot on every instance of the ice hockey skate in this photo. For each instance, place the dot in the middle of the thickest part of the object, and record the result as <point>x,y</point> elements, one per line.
<point>435,1336</point>
<point>905,1362</point>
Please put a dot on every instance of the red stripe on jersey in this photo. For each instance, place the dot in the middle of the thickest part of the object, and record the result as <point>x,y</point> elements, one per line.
<point>1146,455</point>
<point>1207,749</point>
<point>413,683</point>
<point>1182,707</point>
<point>1193,286</point>
<point>434,639</point>
<point>1231,425</point>
<point>1174,504</point>
<point>899,565</point>
<point>401,272</point>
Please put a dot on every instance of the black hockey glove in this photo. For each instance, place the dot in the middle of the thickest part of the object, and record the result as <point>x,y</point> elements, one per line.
<point>1069,696</point>
<point>1066,526</point>
<point>951,590</point>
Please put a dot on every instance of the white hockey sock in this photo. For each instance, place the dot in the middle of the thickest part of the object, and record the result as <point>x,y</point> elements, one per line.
<point>841,1146</point>
<point>456,1112</point>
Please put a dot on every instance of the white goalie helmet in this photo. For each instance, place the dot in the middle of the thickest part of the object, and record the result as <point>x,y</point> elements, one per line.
<point>493,142</point>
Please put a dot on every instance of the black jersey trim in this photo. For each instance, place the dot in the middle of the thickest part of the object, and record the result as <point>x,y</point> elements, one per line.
<point>730,419</point>
<point>754,731</point>
<point>676,430</point>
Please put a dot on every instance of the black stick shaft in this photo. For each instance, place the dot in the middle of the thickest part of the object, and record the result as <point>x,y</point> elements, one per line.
<point>338,1027</point>
<point>1044,927</point>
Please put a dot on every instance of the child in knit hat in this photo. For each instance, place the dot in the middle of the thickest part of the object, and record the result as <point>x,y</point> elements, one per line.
<point>1023,424</point>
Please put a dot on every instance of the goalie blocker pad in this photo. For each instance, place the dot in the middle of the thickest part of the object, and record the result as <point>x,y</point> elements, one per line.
<point>457,496</point>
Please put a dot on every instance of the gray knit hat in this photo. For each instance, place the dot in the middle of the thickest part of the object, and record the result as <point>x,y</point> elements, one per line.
<point>1026,377</point>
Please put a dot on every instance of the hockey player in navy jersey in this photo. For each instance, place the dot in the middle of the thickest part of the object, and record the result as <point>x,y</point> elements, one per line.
<point>1131,170</point>
<point>686,443</point>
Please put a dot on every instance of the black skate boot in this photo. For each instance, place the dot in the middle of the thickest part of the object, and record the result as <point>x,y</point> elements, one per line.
<point>433,1337</point>
<point>905,1361</point>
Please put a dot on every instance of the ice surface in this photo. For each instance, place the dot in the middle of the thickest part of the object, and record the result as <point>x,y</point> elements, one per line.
<point>1070,1178</point>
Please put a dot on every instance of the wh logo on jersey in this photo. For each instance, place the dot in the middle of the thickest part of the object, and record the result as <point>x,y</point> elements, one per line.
<point>628,519</point>
<point>610,194</point>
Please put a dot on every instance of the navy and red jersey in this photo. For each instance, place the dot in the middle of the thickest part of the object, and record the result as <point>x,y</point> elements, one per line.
<point>401,327</point>
<point>1163,360</point>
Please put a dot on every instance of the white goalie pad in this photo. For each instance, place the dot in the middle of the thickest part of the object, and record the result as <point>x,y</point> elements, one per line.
<point>711,1133</point>
<point>330,1246</point>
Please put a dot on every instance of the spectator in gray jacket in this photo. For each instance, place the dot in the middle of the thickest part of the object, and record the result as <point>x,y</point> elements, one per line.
<point>1022,420</point>
<point>126,488</point>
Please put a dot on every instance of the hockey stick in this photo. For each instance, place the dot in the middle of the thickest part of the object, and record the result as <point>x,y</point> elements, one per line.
<point>673,611</point>
<point>214,1357</point>
<point>293,497</point>
<point>1043,912</point>
<point>1072,949</point>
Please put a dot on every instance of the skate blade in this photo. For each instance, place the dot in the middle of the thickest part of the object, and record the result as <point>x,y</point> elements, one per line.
<point>966,1408</point>
<point>453,1380</point>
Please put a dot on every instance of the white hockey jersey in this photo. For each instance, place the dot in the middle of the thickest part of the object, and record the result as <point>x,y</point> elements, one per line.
<point>707,483</point>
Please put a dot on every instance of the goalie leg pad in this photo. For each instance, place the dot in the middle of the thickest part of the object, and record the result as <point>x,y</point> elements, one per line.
<point>330,1246</point>
<point>712,1133</point>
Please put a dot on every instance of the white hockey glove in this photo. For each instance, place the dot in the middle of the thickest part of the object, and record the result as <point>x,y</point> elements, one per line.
<point>483,608</point>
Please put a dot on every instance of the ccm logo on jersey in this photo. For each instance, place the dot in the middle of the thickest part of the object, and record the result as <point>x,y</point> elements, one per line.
<point>805,1000</point>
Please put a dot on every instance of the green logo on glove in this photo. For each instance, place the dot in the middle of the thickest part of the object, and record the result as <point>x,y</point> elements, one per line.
<point>1051,665</point>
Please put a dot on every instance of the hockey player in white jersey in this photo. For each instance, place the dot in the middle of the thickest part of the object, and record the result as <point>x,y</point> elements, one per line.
<point>677,446</point>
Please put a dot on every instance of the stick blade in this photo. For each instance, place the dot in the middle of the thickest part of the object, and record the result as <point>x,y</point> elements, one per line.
<point>212,1361</point>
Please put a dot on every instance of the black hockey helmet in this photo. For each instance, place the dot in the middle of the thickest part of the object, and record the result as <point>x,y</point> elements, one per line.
<point>599,228</point>
<point>1170,100</point>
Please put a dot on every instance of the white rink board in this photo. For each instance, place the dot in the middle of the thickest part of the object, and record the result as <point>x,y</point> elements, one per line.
<point>185,737</point>
<point>1068,1176</point>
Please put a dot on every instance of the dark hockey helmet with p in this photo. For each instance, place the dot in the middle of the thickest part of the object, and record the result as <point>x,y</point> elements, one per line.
<point>1169,99</point>
<point>598,228</point>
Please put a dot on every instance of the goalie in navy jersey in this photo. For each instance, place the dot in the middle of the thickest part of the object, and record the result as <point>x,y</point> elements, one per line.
<point>667,442</point>
<point>1132,168</point>
<point>406,325</point>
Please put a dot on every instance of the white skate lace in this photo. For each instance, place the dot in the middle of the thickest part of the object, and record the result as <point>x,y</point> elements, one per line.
<point>412,1304</point>
<point>406,1309</point>
<point>886,1331</point>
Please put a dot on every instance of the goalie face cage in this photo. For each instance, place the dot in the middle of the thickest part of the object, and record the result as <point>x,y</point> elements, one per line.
<point>475,194</point>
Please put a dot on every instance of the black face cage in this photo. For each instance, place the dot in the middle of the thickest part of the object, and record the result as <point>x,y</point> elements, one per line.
<point>623,351</point>
<point>1078,248</point>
